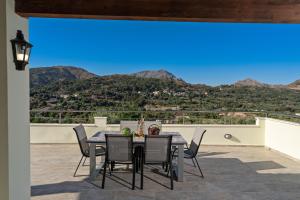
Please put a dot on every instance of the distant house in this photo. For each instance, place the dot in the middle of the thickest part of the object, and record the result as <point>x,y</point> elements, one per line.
<point>65,96</point>
<point>179,94</point>
<point>161,108</point>
<point>52,100</point>
<point>166,92</point>
<point>155,93</point>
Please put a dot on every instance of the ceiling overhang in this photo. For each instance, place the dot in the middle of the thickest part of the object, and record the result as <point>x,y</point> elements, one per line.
<point>267,11</point>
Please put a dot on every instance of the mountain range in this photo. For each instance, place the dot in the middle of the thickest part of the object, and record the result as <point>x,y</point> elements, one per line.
<point>152,92</point>
<point>45,75</point>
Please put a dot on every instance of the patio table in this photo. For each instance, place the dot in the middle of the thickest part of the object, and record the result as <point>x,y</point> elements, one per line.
<point>99,139</point>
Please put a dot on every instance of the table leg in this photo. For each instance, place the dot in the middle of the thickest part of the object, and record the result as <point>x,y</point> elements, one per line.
<point>92,160</point>
<point>180,163</point>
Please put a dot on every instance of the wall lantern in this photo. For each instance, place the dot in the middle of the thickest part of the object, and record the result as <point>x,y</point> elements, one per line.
<point>21,50</point>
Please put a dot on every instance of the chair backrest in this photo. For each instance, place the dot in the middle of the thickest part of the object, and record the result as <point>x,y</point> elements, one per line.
<point>196,140</point>
<point>147,124</point>
<point>119,148</point>
<point>133,125</point>
<point>82,140</point>
<point>158,148</point>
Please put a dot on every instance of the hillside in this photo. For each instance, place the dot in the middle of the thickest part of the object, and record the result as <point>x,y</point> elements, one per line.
<point>132,92</point>
<point>250,82</point>
<point>46,75</point>
<point>253,83</point>
<point>159,74</point>
<point>147,92</point>
<point>295,85</point>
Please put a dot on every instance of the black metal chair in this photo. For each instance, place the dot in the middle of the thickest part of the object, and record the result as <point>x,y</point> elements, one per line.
<point>191,151</point>
<point>119,150</point>
<point>84,146</point>
<point>157,150</point>
<point>133,126</point>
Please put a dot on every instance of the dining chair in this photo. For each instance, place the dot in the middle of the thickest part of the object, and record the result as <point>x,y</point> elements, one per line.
<point>157,150</point>
<point>133,125</point>
<point>84,146</point>
<point>119,150</point>
<point>191,151</point>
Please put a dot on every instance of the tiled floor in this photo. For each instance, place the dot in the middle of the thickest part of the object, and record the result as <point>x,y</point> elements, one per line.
<point>231,173</point>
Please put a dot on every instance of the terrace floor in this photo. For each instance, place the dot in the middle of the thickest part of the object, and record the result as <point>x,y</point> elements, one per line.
<point>240,173</point>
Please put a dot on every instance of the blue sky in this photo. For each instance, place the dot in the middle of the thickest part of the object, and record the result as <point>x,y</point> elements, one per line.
<point>210,53</point>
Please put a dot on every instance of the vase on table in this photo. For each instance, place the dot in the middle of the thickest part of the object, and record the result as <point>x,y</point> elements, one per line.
<point>140,130</point>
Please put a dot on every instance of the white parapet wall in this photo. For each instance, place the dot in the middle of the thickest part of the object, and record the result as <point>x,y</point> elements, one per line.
<point>58,133</point>
<point>252,135</point>
<point>282,136</point>
<point>275,134</point>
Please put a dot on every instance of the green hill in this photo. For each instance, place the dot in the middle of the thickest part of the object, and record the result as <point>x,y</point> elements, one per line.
<point>130,92</point>
<point>46,75</point>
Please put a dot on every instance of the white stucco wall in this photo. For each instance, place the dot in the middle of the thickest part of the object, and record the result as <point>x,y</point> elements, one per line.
<point>3,106</point>
<point>14,112</point>
<point>279,135</point>
<point>252,135</point>
<point>58,133</point>
<point>242,134</point>
<point>283,136</point>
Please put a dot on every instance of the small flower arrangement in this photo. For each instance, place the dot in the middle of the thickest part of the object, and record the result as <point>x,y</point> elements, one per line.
<point>127,132</point>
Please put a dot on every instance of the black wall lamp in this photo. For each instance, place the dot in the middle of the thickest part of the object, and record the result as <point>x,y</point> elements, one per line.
<point>21,51</point>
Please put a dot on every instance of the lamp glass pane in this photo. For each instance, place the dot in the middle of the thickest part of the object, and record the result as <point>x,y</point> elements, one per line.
<point>27,54</point>
<point>20,51</point>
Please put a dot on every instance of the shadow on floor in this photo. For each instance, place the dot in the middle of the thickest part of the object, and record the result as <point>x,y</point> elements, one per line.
<point>206,154</point>
<point>62,187</point>
<point>264,165</point>
<point>226,177</point>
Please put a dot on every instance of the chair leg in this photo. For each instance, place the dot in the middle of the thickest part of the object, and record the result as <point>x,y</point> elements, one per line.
<point>104,172</point>
<point>112,164</point>
<point>193,162</point>
<point>133,173</point>
<point>110,168</point>
<point>138,159</point>
<point>167,167</point>
<point>84,161</point>
<point>142,173</point>
<point>137,162</point>
<point>171,175</point>
<point>199,168</point>
<point>74,175</point>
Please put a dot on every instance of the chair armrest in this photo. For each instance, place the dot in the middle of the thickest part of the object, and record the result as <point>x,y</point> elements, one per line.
<point>100,147</point>
<point>176,149</point>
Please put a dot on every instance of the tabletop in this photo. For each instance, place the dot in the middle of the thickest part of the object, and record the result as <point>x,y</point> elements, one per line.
<point>99,137</point>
